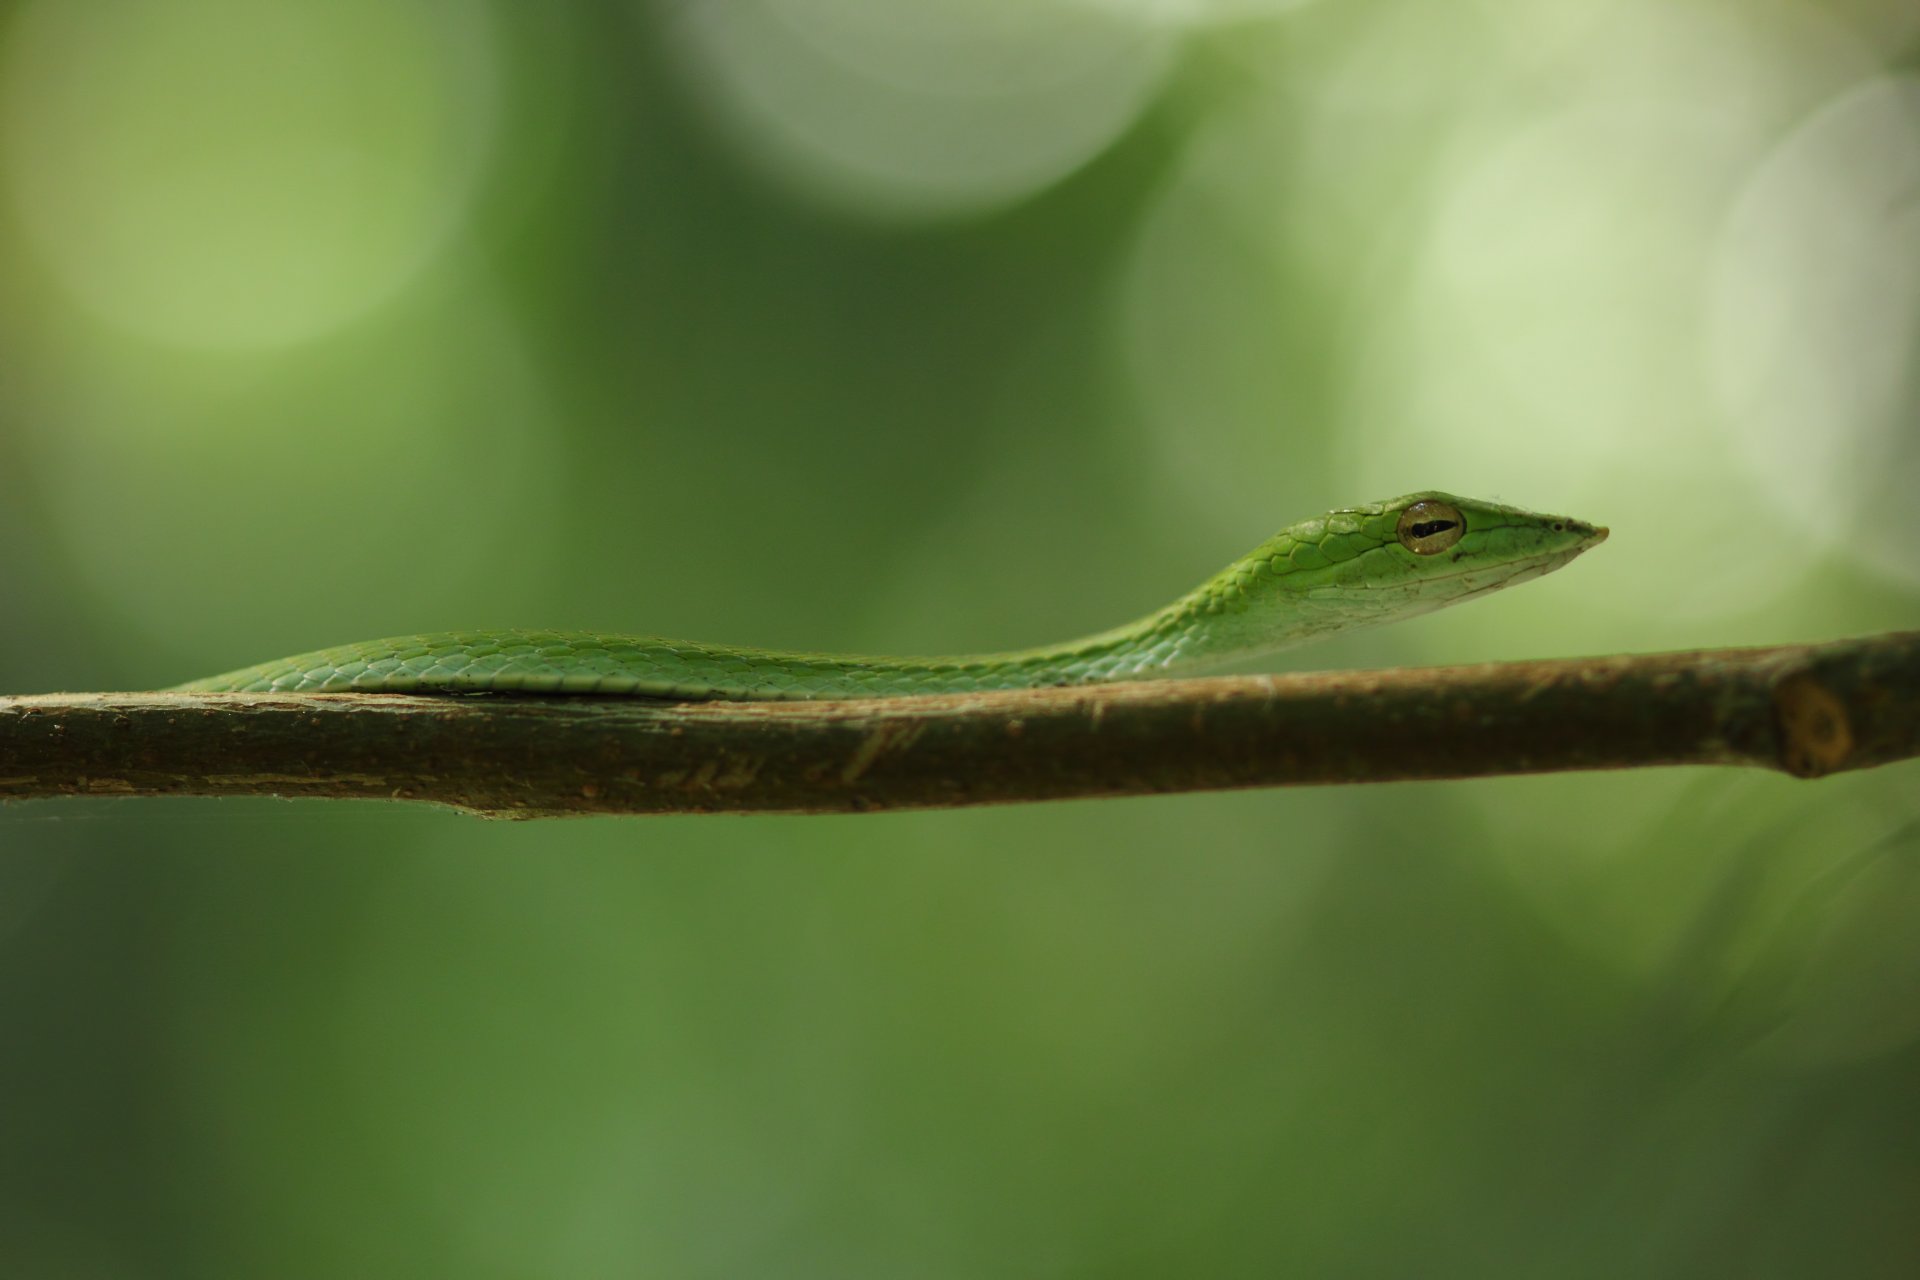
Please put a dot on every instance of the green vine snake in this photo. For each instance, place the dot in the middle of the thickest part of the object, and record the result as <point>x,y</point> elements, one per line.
<point>1355,567</point>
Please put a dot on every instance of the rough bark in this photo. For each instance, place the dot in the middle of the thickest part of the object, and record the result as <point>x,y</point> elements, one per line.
<point>1807,710</point>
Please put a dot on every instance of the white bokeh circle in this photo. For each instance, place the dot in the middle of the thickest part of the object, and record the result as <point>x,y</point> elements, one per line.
<point>223,174</point>
<point>941,108</point>
<point>1197,13</point>
<point>1816,326</point>
<point>377,478</point>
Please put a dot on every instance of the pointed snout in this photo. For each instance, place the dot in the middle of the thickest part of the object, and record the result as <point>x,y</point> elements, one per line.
<point>1591,535</point>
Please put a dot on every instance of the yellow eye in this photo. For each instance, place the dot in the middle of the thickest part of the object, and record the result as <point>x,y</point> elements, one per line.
<point>1427,527</point>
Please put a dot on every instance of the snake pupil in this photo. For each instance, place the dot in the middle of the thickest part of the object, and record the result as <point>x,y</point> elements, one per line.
<point>1430,526</point>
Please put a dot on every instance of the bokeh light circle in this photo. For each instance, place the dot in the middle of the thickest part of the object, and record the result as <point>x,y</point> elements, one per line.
<point>223,174</point>
<point>1207,289</point>
<point>937,109</point>
<point>1816,327</point>
<point>373,483</point>
<point>1197,13</point>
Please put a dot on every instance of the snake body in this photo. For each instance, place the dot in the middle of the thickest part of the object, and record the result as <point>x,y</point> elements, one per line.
<point>1349,568</point>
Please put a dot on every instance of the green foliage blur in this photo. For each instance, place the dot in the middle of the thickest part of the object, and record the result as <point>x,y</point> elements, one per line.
<point>954,324</point>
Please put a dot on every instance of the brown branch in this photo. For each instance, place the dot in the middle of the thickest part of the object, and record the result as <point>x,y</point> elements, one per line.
<point>1807,710</point>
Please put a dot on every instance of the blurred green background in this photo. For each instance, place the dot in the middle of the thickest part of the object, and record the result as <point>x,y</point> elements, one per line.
<point>949,325</point>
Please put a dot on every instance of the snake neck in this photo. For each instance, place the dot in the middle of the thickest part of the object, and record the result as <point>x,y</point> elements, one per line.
<point>1243,611</point>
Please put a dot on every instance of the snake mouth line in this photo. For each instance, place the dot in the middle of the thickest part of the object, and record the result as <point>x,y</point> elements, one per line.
<point>1511,572</point>
<point>1529,569</point>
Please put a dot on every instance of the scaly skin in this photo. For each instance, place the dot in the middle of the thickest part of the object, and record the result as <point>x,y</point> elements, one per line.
<point>1333,573</point>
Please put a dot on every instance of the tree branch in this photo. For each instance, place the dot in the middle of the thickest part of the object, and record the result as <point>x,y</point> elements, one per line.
<point>1808,710</point>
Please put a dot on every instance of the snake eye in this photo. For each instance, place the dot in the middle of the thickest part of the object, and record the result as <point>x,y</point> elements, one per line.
<point>1427,527</point>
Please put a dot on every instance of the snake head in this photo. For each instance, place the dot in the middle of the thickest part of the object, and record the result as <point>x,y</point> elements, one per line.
<point>1449,532</point>
<point>1419,552</point>
<point>1364,566</point>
